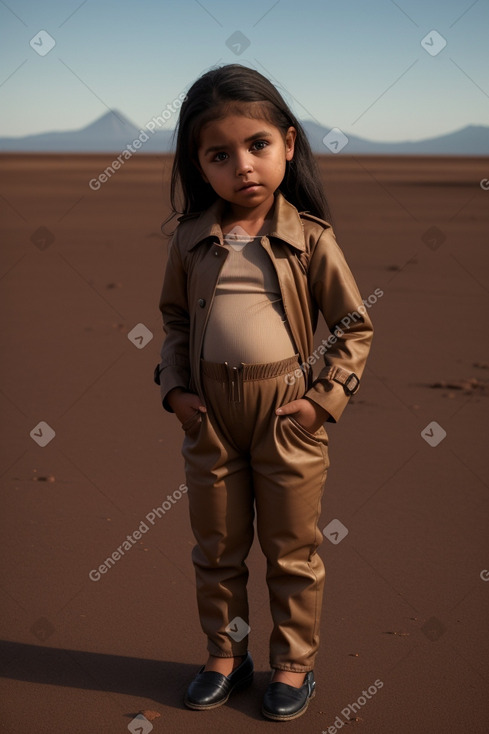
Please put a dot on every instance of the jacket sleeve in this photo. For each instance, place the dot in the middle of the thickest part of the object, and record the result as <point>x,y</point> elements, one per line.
<point>336,294</point>
<point>174,368</point>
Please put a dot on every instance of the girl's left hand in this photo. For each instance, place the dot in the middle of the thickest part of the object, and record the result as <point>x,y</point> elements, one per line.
<point>310,415</point>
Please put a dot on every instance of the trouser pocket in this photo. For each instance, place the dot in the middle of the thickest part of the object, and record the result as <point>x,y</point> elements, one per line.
<point>192,424</point>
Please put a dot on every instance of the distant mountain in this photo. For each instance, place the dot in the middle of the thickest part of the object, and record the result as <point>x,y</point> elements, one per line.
<point>113,133</point>
<point>470,140</point>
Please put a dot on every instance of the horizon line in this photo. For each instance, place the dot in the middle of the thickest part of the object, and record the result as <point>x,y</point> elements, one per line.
<point>122,118</point>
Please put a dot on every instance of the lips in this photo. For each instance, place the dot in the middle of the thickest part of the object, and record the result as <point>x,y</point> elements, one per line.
<point>248,185</point>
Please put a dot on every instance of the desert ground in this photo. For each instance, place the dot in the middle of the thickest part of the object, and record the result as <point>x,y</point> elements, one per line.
<point>89,457</point>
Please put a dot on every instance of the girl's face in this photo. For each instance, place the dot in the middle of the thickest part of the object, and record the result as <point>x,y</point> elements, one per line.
<point>243,159</point>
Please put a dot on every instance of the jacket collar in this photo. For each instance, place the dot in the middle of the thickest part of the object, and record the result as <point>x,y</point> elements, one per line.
<point>286,224</point>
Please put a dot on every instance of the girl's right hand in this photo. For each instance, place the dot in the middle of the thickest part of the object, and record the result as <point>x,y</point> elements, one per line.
<point>184,404</point>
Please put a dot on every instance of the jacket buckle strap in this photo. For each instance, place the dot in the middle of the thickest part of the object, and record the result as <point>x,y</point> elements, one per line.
<point>349,380</point>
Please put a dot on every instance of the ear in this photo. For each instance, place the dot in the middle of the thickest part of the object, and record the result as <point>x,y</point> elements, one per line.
<point>290,137</point>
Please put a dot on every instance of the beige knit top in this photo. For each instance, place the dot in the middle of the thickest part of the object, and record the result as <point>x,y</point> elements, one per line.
<point>247,321</point>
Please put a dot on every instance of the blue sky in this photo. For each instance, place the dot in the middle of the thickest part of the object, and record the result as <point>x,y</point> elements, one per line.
<point>358,64</point>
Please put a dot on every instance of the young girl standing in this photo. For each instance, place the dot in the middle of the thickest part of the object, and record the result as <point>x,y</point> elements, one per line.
<point>251,264</point>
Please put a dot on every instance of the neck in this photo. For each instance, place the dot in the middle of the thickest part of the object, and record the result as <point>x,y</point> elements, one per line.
<point>251,220</point>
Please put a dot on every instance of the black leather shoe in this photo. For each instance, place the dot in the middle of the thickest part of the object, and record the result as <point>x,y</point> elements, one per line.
<point>210,689</point>
<point>283,702</point>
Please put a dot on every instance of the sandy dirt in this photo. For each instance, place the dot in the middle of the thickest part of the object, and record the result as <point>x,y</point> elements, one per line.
<point>88,455</point>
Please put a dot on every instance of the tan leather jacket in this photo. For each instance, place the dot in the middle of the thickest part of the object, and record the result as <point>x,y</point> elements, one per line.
<point>313,276</point>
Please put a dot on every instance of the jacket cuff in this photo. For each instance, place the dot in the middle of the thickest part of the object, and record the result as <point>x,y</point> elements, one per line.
<point>169,378</point>
<point>330,396</point>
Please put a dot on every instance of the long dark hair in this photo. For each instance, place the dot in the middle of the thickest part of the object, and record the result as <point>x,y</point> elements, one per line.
<point>240,90</point>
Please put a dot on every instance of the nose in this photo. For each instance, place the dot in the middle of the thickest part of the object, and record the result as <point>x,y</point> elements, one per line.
<point>243,164</point>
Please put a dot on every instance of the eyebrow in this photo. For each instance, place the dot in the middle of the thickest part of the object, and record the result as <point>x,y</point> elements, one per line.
<point>255,136</point>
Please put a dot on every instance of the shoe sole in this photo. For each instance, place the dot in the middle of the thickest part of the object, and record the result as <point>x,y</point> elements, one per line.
<point>204,707</point>
<point>289,717</point>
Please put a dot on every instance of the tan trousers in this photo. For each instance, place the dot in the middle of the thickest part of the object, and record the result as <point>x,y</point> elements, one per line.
<point>237,455</point>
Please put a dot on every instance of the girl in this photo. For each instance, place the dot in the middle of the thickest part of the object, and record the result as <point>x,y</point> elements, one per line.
<point>251,264</point>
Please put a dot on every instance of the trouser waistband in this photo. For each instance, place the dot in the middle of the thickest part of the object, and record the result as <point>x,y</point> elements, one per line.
<point>222,370</point>
<point>235,377</point>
